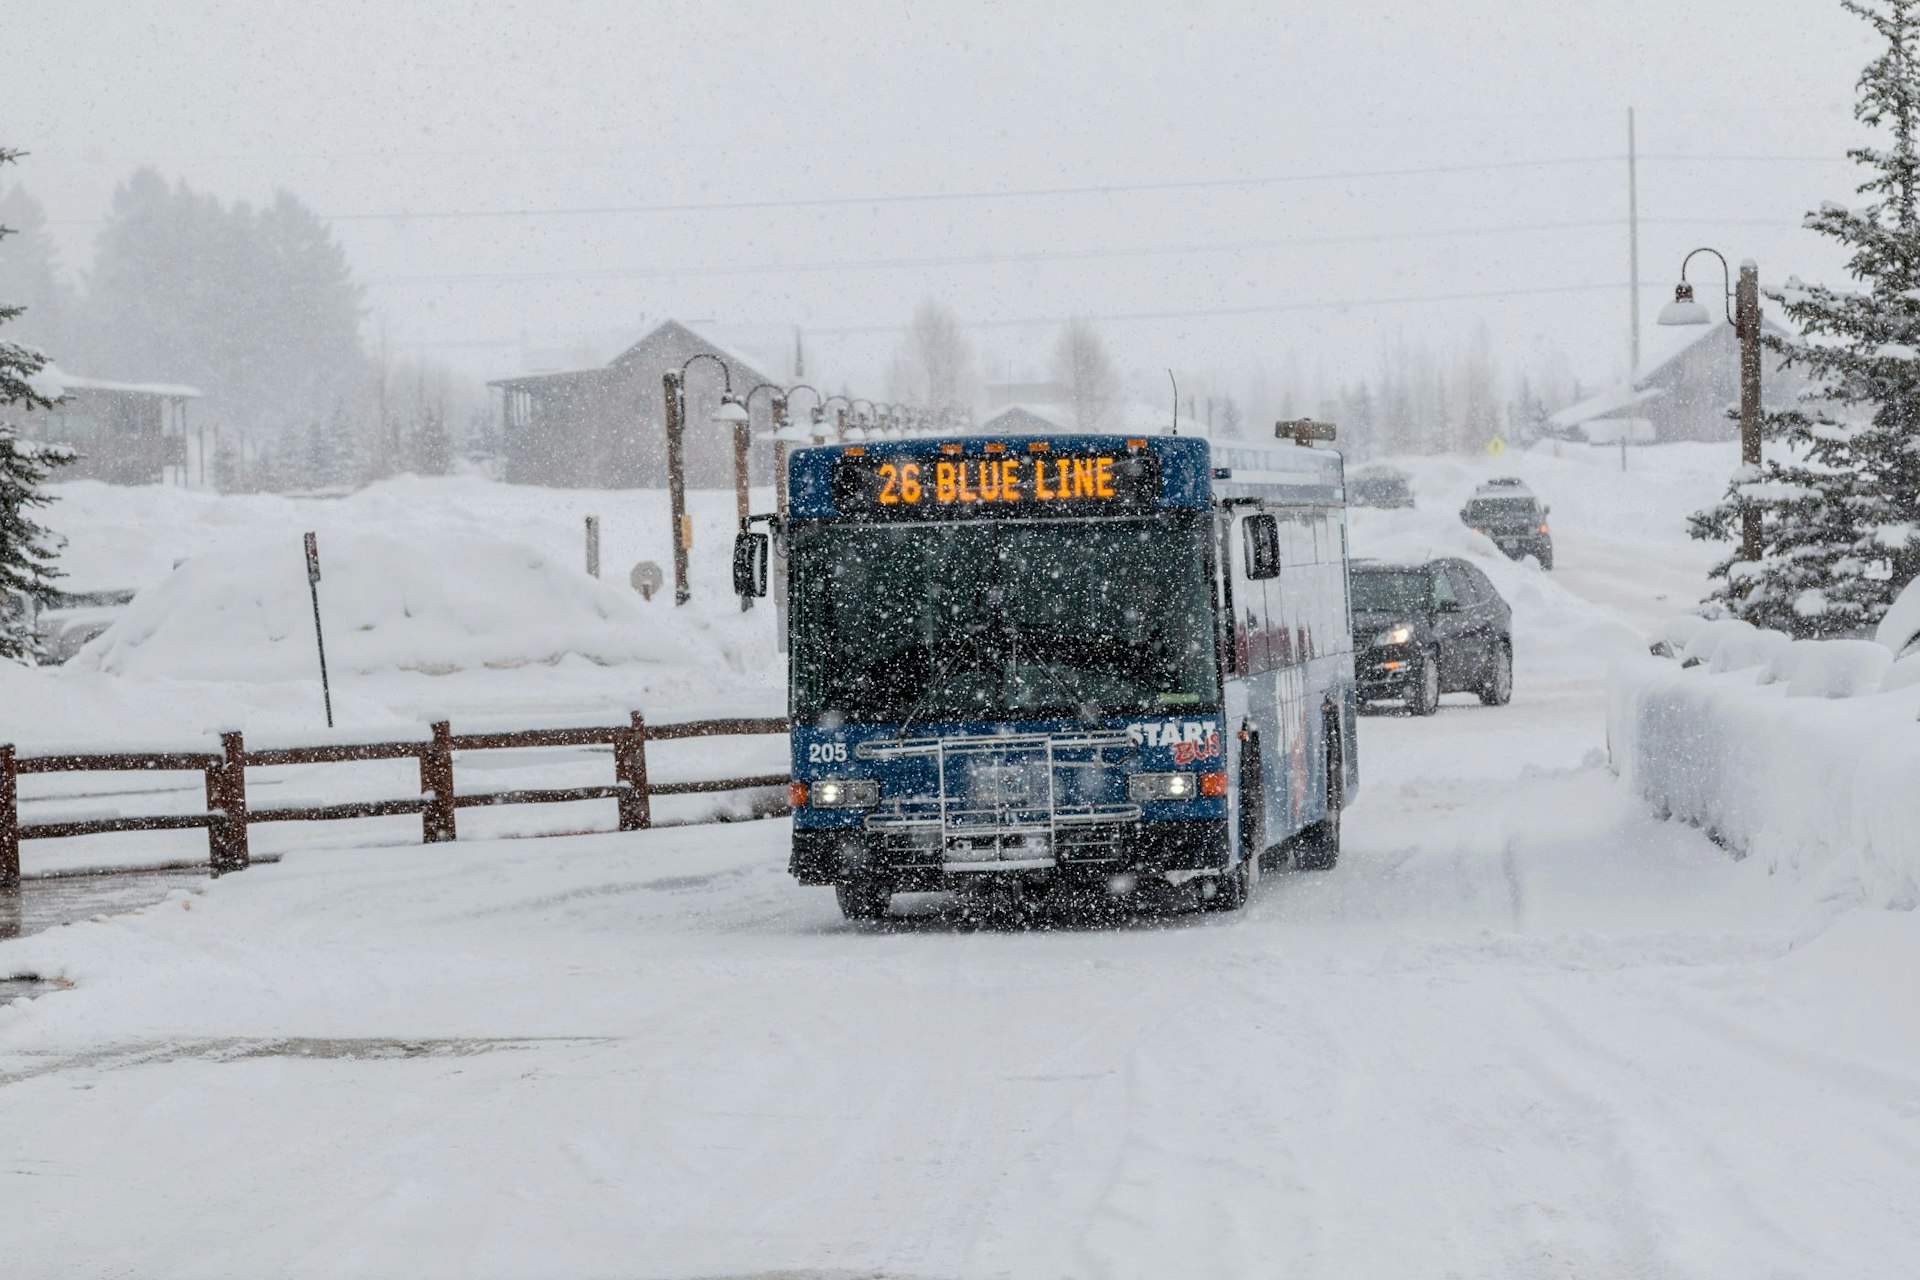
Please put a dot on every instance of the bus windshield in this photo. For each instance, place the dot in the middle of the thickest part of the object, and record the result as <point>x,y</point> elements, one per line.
<point>1002,619</point>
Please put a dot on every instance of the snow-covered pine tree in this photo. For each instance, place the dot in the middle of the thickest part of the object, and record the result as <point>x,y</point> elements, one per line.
<point>27,550</point>
<point>1848,497</point>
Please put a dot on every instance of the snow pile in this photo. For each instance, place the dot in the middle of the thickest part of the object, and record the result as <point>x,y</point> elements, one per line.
<point>1800,760</point>
<point>414,603</point>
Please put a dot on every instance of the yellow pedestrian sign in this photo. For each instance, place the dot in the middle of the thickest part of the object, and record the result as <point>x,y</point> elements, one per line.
<point>1496,446</point>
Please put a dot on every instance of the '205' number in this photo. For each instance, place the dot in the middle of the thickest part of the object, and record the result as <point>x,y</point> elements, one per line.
<point>826,753</point>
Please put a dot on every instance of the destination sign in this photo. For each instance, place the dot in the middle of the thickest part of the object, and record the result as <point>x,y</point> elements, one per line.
<point>1023,482</point>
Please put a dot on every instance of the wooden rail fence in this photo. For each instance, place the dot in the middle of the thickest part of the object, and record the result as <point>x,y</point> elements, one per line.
<point>228,816</point>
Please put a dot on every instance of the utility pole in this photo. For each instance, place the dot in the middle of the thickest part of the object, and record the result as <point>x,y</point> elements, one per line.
<point>1746,318</point>
<point>677,479</point>
<point>1633,246</point>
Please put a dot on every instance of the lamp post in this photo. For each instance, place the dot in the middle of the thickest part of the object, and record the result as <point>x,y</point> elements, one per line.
<point>778,401</point>
<point>1741,305</point>
<point>673,387</point>
<point>840,415</point>
<point>741,442</point>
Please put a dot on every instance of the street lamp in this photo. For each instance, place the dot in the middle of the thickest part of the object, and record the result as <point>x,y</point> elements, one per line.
<point>1742,308</point>
<point>840,415</point>
<point>673,386</point>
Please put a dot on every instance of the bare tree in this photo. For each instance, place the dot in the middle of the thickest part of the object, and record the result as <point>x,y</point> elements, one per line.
<point>934,367</point>
<point>1081,365</point>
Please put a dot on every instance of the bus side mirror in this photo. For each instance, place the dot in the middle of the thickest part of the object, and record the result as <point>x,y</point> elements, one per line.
<point>750,551</point>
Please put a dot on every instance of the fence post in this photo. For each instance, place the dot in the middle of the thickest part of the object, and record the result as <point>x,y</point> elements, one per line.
<point>9,819</point>
<point>630,768</point>
<point>227,799</point>
<point>436,784</point>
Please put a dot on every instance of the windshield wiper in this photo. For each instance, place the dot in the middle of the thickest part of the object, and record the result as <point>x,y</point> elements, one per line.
<point>936,675</point>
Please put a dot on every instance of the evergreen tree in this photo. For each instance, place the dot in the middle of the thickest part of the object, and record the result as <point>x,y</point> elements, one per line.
<point>257,307</point>
<point>1847,499</point>
<point>30,274</point>
<point>27,549</point>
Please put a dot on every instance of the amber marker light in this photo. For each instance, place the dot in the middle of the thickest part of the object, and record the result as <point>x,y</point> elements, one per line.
<point>1213,784</point>
<point>797,794</point>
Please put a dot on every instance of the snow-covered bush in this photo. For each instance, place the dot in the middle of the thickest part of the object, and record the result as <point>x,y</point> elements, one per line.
<point>1838,669</point>
<point>1899,630</point>
<point>1903,674</point>
<point>1751,648</point>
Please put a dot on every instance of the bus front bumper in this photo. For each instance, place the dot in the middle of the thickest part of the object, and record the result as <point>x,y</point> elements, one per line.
<point>1090,854</point>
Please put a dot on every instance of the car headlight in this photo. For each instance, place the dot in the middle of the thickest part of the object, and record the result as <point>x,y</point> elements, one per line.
<point>838,793</point>
<point>1398,633</point>
<point>1145,787</point>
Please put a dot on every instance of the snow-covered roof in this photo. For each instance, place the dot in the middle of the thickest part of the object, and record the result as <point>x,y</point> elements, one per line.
<point>1028,417</point>
<point>741,362</point>
<point>1606,403</point>
<point>54,382</point>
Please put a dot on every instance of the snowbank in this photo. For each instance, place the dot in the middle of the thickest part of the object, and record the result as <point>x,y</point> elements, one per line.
<point>1799,760</point>
<point>411,604</point>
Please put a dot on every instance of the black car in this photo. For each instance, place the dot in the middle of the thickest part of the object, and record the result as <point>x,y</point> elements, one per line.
<point>1379,487</point>
<point>1514,519</point>
<point>1421,630</point>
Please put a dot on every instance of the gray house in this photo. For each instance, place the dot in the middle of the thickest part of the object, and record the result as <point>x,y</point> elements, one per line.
<point>606,428</point>
<point>1682,391</point>
<point>121,432</point>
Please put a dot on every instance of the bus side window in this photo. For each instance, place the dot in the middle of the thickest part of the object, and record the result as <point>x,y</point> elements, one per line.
<point>1252,625</point>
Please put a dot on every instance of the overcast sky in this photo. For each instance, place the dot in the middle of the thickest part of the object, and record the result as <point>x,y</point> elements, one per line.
<point>418,106</point>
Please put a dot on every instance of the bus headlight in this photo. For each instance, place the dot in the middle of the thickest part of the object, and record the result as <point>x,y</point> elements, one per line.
<point>1398,633</point>
<point>837,793</point>
<point>1143,788</point>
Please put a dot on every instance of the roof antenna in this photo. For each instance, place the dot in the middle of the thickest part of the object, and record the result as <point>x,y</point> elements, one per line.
<point>1176,402</point>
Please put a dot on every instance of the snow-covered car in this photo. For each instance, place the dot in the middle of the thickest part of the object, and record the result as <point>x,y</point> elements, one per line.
<point>1514,518</point>
<point>1379,487</point>
<point>73,618</point>
<point>1426,629</point>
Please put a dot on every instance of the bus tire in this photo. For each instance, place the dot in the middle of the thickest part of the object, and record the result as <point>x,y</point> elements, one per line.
<point>863,897</point>
<point>1424,699</point>
<point>1319,847</point>
<point>1229,892</point>
<point>1253,803</point>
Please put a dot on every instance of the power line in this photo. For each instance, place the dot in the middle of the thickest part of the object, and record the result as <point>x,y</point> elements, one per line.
<point>970,260</point>
<point>938,197</point>
<point>1034,257</point>
<point>1026,193</point>
<point>1130,317</point>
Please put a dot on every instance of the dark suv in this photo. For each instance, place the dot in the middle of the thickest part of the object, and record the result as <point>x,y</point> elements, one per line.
<point>1514,519</point>
<point>1421,630</point>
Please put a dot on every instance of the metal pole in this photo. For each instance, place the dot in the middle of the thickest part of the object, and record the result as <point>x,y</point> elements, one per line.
<point>1633,250</point>
<point>319,638</point>
<point>593,546</point>
<point>741,502</point>
<point>677,481</point>
<point>1746,314</point>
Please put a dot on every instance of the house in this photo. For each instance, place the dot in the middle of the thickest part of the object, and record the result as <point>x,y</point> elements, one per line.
<point>1682,391</point>
<point>1123,416</point>
<point>605,428</point>
<point>121,432</point>
<point>1027,420</point>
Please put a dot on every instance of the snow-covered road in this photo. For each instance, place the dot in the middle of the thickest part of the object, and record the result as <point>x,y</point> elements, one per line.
<point>1523,1030</point>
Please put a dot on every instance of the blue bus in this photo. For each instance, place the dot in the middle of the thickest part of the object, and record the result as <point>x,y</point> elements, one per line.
<point>1064,660</point>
